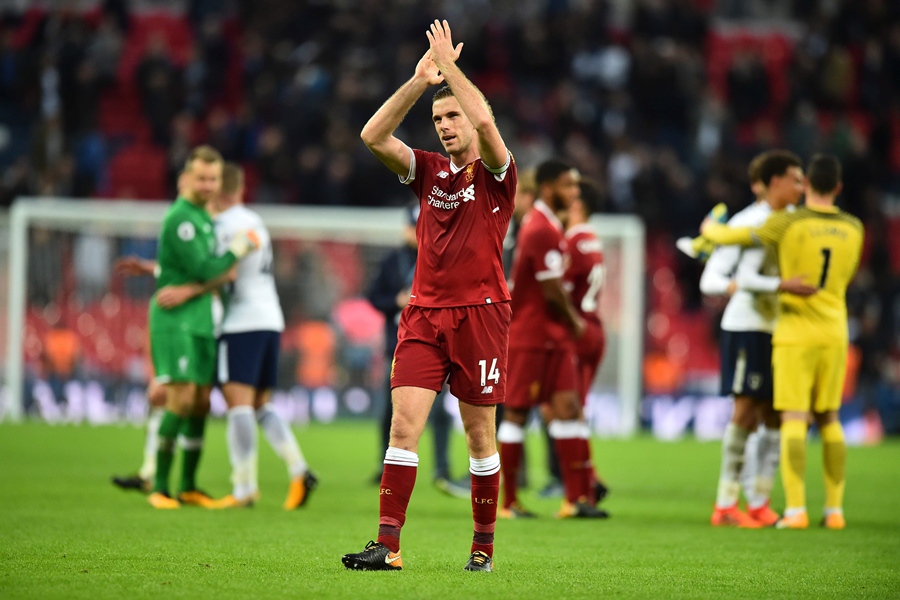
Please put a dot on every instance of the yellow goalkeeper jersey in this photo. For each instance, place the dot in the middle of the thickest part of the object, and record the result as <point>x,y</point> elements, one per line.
<point>821,245</point>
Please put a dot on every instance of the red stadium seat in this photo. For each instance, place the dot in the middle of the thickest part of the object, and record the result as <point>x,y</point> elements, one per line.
<point>139,172</point>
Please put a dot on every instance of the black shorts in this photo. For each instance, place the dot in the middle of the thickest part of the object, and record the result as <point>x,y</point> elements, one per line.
<point>747,364</point>
<point>250,358</point>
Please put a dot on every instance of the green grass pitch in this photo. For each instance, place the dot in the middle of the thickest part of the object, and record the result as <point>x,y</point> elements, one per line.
<point>65,532</point>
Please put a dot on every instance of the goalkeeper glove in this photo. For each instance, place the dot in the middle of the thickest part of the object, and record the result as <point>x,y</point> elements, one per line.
<point>243,243</point>
<point>700,247</point>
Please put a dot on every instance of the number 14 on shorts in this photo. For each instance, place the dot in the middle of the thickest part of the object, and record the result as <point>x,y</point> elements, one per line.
<point>492,374</point>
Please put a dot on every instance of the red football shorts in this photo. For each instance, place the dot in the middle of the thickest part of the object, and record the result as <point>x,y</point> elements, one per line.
<point>535,374</point>
<point>466,346</point>
<point>590,349</point>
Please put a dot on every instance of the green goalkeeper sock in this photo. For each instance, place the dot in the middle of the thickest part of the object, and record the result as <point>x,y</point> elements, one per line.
<point>192,432</point>
<point>169,427</point>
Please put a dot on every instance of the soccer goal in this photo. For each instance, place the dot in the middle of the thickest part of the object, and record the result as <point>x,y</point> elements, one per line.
<point>76,333</point>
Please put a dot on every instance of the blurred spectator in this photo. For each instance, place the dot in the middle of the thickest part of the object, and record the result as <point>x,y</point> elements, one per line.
<point>45,266</point>
<point>92,259</point>
<point>748,86</point>
<point>60,354</point>
<point>663,101</point>
<point>105,50</point>
<point>158,83</point>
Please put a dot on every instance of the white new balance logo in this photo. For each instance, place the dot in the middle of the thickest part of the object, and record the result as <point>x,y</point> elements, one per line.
<point>488,389</point>
<point>443,174</point>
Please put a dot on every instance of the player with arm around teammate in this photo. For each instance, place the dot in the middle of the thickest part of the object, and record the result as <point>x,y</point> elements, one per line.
<point>456,325</point>
<point>248,349</point>
<point>750,277</point>
<point>248,357</point>
<point>182,339</point>
<point>822,244</point>
<point>131,266</point>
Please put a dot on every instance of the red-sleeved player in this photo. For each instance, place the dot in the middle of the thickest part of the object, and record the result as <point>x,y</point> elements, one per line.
<point>542,358</point>
<point>584,280</point>
<point>456,326</point>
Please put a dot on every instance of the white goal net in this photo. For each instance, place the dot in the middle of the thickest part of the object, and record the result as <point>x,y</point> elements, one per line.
<point>76,334</point>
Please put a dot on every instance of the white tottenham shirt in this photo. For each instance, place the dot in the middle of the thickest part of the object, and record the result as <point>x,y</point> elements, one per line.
<point>253,303</point>
<point>754,305</point>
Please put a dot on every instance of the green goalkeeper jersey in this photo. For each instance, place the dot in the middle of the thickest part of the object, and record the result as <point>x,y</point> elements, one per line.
<point>187,254</point>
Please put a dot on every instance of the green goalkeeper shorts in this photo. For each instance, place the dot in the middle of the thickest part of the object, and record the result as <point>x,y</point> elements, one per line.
<point>183,358</point>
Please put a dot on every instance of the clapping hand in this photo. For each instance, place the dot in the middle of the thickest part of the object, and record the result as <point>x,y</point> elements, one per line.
<point>427,70</point>
<point>442,51</point>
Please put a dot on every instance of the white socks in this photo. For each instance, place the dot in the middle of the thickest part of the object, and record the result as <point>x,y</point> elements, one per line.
<point>765,463</point>
<point>484,466</point>
<point>242,449</point>
<point>565,430</point>
<point>282,440</point>
<point>733,443</point>
<point>403,458</point>
<point>510,433</point>
<point>151,444</point>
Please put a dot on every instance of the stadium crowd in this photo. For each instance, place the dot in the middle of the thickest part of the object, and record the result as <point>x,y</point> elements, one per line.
<point>663,104</point>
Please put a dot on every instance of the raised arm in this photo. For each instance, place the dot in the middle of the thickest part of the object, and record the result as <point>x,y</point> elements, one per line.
<point>378,133</point>
<point>490,144</point>
<point>724,235</point>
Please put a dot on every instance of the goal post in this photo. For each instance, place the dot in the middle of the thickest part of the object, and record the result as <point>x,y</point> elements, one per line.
<point>360,235</point>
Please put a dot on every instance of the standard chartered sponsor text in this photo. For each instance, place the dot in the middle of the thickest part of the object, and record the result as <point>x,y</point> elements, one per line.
<point>438,198</point>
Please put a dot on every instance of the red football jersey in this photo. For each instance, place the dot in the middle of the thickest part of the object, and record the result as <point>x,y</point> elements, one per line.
<point>540,255</point>
<point>584,275</point>
<point>464,217</point>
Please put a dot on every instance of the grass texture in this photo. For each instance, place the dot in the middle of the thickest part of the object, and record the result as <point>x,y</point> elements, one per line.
<point>65,532</point>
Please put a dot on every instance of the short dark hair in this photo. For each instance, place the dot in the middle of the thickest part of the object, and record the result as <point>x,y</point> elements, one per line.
<point>753,169</point>
<point>444,92</point>
<point>232,177</point>
<point>591,197</point>
<point>550,170</point>
<point>824,173</point>
<point>777,162</point>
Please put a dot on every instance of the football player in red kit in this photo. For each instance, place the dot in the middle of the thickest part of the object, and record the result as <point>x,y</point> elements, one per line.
<point>456,326</point>
<point>542,358</point>
<point>584,280</point>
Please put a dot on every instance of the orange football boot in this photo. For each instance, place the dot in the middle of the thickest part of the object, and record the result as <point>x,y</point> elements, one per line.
<point>834,520</point>
<point>299,490</point>
<point>515,511</point>
<point>196,498</point>
<point>230,501</point>
<point>733,517</point>
<point>799,520</point>
<point>163,501</point>
<point>764,515</point>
